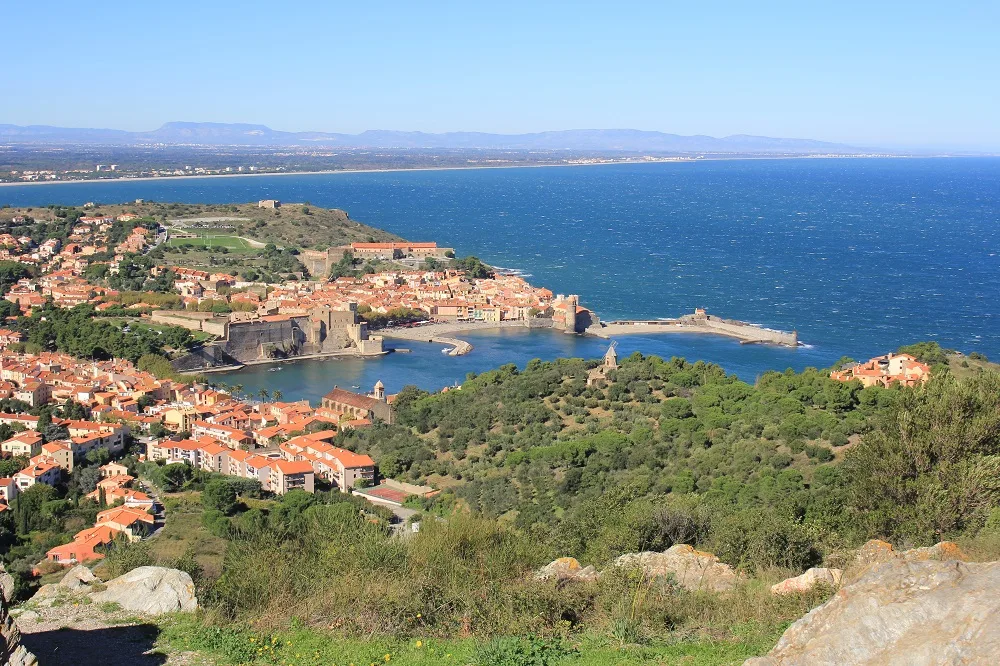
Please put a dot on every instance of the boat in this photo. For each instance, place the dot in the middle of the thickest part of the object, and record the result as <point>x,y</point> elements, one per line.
<point>356,386</point>
<point>447,351</point>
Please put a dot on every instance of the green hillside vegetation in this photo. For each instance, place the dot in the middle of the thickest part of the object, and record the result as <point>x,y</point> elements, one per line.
<point>292,225</point>
<point>791,472</point>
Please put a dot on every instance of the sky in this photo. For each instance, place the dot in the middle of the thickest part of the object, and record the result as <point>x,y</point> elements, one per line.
<point>906,74</point>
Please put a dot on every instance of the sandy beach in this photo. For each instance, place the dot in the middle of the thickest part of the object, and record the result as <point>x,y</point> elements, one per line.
<point>335,171</point>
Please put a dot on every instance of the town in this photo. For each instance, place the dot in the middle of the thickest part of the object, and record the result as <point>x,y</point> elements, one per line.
<point>283,446</point>
<point>104,422</point>
<point>63,415</point>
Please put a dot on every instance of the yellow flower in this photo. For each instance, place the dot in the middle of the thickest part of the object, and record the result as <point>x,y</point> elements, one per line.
<point>387,658</point>
<point>420,644</point>
<point>252,639</point>
<point>418,614</point>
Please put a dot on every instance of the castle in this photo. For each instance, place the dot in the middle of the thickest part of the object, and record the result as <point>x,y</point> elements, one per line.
<point>246,336</point>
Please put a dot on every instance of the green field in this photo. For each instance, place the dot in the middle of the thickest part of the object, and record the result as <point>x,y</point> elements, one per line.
<point>208,239</point>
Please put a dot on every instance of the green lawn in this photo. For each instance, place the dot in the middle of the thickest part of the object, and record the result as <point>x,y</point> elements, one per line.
<point>231,243</point>
<point>184,530</point>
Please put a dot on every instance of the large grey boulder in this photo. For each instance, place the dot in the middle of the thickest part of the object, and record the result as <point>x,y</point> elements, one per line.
<point>151,590</point>
<point>901,613</point>
<point>77,577</point>
<point>691,569</point>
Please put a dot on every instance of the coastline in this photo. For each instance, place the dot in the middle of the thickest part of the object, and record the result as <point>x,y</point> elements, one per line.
<point>678,160</point>
<point>267,361</point>
<point>444,332</point>
<point>346,171</point>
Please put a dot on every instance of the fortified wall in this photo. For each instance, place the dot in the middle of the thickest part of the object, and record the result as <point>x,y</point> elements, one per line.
<point>249,337</point>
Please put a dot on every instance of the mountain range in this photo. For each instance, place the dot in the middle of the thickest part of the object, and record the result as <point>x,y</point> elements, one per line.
<point>237,134</point>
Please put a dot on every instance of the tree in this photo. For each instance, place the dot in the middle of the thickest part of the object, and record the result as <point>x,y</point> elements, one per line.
<point>264,394</point>
<point>10,273</point>
<point>278,395</point>
<point>220,495</point>
<point>8,309</point>
<point>86,478</point>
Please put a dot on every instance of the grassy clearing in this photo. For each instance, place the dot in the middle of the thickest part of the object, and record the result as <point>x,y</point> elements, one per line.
<point>231,243</point>
<point>184,531</point>
<point>306,646</point>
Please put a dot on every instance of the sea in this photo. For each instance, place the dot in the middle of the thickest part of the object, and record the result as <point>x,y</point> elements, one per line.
<point>859,256</point>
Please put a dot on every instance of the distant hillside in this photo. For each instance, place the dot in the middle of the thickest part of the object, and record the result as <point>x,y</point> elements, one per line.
<point>606,140</point>
<point>292,225</point>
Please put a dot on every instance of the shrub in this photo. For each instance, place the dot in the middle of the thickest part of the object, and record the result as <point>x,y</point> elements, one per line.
<point>510,651</point>
<point>124,555</point>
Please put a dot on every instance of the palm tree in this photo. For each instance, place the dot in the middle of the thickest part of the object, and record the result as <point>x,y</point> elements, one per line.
<point>237,390</point>
<point>264,394</point>
<point>277,395</point>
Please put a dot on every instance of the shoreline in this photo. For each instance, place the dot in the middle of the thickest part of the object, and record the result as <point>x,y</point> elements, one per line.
<point>267,361</point>
<point>346,171</point>
<point>678,160</point>
<point>608,331</point>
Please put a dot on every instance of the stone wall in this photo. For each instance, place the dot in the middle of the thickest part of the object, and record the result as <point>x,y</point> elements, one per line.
<point>254,340</point>
<point>12,653</point>
<point>206,356</point>
<point>195,321</point>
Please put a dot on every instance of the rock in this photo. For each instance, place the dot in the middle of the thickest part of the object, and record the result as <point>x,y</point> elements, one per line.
<point>6,584</point>
<point>876,552</point>
<point>566,568</point>
<point>46,592</point>
<point>941,552</point>
<point>12,653</point>
<point>902,612</point>
<point>807,581</point>
<point>151,590</point>
<point>692,569</point>
<point>77,577</point>
<point>27,615</point>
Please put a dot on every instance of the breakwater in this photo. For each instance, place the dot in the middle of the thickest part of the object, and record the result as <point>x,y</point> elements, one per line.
<point>699,322</point>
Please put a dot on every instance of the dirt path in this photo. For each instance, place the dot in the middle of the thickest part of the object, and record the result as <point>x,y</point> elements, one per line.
<point>89,635</point>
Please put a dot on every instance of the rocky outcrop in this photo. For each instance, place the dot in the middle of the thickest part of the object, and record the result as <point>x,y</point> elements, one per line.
<point>807,581</point>
<point>566,568</point>
<point>876,552</point>
<point>12,653</point>
<point>151,590</point>
<point>691,569</point>
<point>77,577</point>
<point>902,612</point>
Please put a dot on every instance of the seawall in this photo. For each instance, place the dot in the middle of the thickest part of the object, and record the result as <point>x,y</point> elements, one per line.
<point>742,331</point>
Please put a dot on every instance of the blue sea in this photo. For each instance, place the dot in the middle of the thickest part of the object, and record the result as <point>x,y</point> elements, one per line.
<point>859,255</point>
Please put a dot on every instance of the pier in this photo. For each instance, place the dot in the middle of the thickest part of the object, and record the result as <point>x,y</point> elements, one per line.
<point>699,322</point>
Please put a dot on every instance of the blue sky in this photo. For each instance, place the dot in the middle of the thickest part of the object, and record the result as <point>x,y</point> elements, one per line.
<point>896,74</point>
